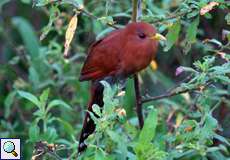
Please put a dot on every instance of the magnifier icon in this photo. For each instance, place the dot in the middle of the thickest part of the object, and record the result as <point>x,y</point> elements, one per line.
<point>9,147</point>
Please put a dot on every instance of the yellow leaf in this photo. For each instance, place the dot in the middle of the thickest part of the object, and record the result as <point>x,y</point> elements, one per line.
<point>70,33</point>
<point>179,120</point>
<point>153,65</point>
<point>208,7</point>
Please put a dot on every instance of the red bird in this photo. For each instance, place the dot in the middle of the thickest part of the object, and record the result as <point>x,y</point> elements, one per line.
<point>117,56</point>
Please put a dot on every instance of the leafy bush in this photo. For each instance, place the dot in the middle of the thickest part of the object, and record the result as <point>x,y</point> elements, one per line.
<point>185,94</point>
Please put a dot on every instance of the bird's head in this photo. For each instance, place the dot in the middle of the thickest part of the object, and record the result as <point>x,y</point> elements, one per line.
<point>144,31</point>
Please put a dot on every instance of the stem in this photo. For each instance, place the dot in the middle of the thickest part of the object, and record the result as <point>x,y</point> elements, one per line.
<point>172,16</point>
<point>44,125</point>
<point>134,13</point>
<point>136,81</point>
<point>174,93</point>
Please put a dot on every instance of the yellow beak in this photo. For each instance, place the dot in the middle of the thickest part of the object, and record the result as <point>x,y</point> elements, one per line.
<point>158,37</point>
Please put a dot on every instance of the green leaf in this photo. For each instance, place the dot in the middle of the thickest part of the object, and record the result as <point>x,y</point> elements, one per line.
<point>8,103</point>
<point>148,131</point>
<point>67,126</point>
<point>108,97</point>
<point>217,155</point>
<point>30,97</point>
<point>57,102</point>
<point>193,14</point>
<point>2,3</point>
<point>172,35</point>
<point>130,129</point>
<point>39,63</point>
<point>28,36</point>
<point>50,135</point>
<point>44,97</point>
<point>34,76</point>
<point>223,79</point>
<point>26,1</point>
<point>222,139</point>
<point>39,113</point>
<point>96,110</point>
<point>93,117</point>
<point>192,31</point>
<point>100,154</point>
<point>227,18</point>
<point>209,126</point>
<point>34,132</point>
<point>121,142</point>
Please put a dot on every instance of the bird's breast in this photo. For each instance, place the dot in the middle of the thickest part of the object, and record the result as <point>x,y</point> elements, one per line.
<point>137,56</point>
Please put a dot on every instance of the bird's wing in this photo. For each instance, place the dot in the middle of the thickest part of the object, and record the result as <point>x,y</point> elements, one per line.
<point>103,57</point>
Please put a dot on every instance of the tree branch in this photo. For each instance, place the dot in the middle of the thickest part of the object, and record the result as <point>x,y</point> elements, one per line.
<point>171,16</point>
<point>174,93</point>
<point>134,13</point>
<point>135,78</point>
<point>95,17</point>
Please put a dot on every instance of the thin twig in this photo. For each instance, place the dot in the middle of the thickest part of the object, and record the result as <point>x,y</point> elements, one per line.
<point>135,8</point>
<point>171,16</point>
<point>174,93</point>
<point>83,10</point>
<point>95,17</point>
<point>135,78</point>
<point>186,79</point>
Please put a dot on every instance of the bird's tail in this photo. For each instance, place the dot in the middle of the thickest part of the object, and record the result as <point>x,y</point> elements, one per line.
<point>89,125</point>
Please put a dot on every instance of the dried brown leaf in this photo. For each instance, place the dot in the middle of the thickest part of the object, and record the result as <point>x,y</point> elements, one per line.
<point>70,33</point>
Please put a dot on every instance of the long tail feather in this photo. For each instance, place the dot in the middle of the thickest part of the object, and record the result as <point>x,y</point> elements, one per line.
<point>88,125</point>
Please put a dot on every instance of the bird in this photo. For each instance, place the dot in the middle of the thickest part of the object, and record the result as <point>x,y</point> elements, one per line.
<point>114,58</point>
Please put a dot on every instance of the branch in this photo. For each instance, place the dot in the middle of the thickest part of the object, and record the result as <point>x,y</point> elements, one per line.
<point>134,13</point>
<point>95,17</point>
<point>81,8</point>
<point>174,93</point>
<point>135,78</point>
<point>171,16</point>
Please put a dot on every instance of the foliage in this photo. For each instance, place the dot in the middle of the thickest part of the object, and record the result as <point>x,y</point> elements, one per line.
<point>43,103</point>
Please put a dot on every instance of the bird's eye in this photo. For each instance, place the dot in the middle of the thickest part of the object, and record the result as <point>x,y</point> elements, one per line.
<point>141,35</point>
